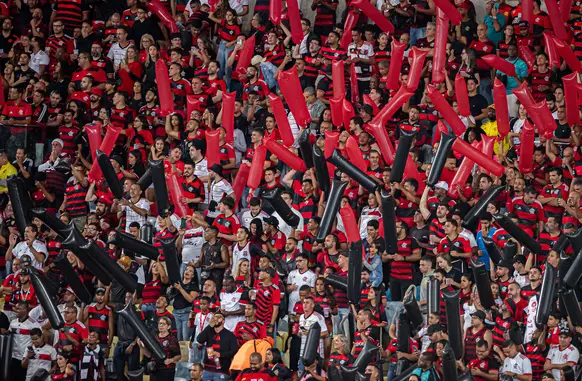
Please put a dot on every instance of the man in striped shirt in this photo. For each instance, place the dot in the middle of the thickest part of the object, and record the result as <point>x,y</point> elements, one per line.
<point>267,298</point>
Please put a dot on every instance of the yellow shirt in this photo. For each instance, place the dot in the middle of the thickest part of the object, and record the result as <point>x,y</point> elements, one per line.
<point>6,171</point>
<point>490,129</point>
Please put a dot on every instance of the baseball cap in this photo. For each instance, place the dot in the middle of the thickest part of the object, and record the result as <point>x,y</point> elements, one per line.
<point>434,328</point>
<point>100,290</point>
<point>442,185</point>
<point>69,289</point>
<point>523,24</point>
<point>520,259</point>
<point>505,264</point>
<point>479,314</point>
<point>97,91</point>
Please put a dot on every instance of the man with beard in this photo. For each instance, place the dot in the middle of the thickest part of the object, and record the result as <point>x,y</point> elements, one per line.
<point>440,197</point>
<point>273,240</point>
<point>86,68</point>
<point>213,255</point>
<point>548,238</point>
<point>24,290</point>
<point>192,186</point>
<point>221,346</point>
<point>99,318</point>
<point>100,61</point>
<point>72,335</point>
<point>254,83</point>
<point>553,192</point>
<point>16,112</point>
<point>216,85</point>
<point>151,109</point>
<point>57,40</point>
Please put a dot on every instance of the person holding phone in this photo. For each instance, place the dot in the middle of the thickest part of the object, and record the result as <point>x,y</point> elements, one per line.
<point>39,355</point>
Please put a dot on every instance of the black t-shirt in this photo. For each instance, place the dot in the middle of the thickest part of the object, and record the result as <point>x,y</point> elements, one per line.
<point>454,274</point>
<point>477,103</point>
<point>420,235</point>
<point>181,302</point>
<point>469,30</point>
<point>563,131</point>
<point>4,322</point>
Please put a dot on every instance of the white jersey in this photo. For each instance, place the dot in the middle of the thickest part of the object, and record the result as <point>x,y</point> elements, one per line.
<point>299,279</point>
<point>239,253</point>
<point>470,237</point>
<point>218,190</point>
<point>21,336</point>
<point>305,323</point>
<point>368,214</point>
<point>43,359</point>
<point>530,325</point>
<point>192,244</point>
<point>247,216</point>
<point>201,170</point>
<point>230,302</point>
<point>22,249</point>
<point>520,364</point>
<point>559,357</point>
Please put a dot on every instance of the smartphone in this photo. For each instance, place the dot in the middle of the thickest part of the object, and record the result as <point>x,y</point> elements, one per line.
<point>239,42</point>
<point>183,223</point>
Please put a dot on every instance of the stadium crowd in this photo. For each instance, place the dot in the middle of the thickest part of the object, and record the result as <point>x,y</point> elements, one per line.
<point>76,72</point>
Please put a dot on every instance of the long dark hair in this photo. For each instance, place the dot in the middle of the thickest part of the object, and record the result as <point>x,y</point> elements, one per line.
<point>276,353</point>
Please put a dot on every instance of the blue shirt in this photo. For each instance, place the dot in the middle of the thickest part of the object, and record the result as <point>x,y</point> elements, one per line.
<point>426,375</point>
<point>494,36</point>
<point>521,71</point>
<point>481,246</point>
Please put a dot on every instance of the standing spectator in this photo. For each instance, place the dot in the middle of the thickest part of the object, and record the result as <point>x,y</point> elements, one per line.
<point>99,319</point>
<point>126,351</point>
<point>165,368</point>
<point>187,291</point>
<point>21,329</point>
<point>306,320</point>
<point>136,208</point>
<point>361,53</point>
<point>267,297</point>
<point>118,52</point>
<point>562,355</point>
<point>515,365</point>
<point>75,194</point>
<point>72,335</point>
<point>39,356</point>
<point>30,247</point>
<point>92,365</point>
<point>298,278</point>
<point>221,346</point>
<point>232,303</point>
<point>250,328</point>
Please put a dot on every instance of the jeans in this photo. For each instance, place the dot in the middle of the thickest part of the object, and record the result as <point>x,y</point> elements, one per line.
<point>120,358</point>
<point>182,315</point>
<point>214,376</point>
<point>222,56</point>
<point>391,372</point>
<point>416,34</point>
<point>148,307</point>
<point>195,354</point>
<point>486,90</point>
<point>337,319</point>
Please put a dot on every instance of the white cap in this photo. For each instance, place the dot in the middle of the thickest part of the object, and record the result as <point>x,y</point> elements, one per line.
<point>442,185</point>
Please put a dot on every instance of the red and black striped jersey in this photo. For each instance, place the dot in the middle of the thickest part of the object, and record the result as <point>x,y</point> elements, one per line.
<point>228,32</point>
<point>98,321</point>
<point>325,16</point>
<point>75,204</point>
<point>528,215</point>
<point>70,12</point>
<point>266,298</point>
<point>404,269</point>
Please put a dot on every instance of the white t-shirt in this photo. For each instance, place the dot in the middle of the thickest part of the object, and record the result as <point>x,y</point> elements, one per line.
<point>192,244</point>
<point>40,58</point>
<point>238,5</point>
<point>530,327</point>
<point>201,321</point>
<point>247,217</point>
<point>518,365</point>
<point>299,279</point>
<point>117,54</point>
<point>21,336</point>
<point>306,322</point>
<point>230,302</point>
<point>218,190</point>
<point>43,359</point>
<point>131,216</point>
<point>368,214</point>
<point>21,249</point>
<point>558,357</point>
<point>201,170</point>
<point>239,253</point>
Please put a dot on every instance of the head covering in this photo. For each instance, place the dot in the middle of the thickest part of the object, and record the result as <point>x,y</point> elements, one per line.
<point>60,141</point>
<point>442,185</point>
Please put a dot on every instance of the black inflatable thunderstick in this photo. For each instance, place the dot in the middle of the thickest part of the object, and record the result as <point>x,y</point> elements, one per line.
<point>109,174</point>
<point>76,243</point>
<point>50,220</point>
<point>547,295</point>
<point>443,151</point>
<point>434,296</point>
<point>73,280</point>
<point>142,331</point>
<point>47,301</point>
<point>480,207</point>
<point>413,309</point>
<point>389,221</point>
<point>331,208</point>
<point>483,282</point>
<point>493,250</point>
<point>355,272</point>
<point>452,309</point>
<point>312,344</point>
<point>516,232</point>
<point>321,170</point>
<point>273,196</point>
<point>160,187</point>
<point>305,149</point>
<point>130,243</point>
<point>171,259</point>
<point>21,204</point>
<point>401,156</point>
<point>353,172</point>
